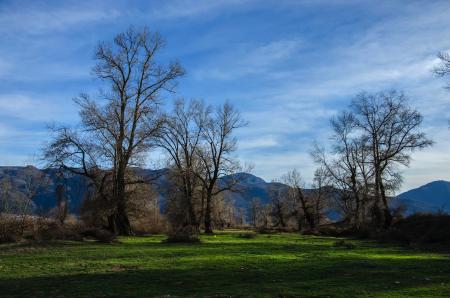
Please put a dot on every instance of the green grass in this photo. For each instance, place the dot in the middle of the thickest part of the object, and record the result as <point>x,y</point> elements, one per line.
<point>222,265</point>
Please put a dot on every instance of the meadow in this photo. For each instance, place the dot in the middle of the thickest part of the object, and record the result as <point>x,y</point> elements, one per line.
<point>225,264</point>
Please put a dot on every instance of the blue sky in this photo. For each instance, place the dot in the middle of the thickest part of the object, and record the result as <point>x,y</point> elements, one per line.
<point>287,65</point>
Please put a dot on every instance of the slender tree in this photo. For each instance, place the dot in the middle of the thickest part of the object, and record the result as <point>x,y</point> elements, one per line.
<point>343,165</point>
<point>215,155</point>
<point>181,138</point>
<point>322,191</point>
<point>300,205</point>
<point>278,199</point>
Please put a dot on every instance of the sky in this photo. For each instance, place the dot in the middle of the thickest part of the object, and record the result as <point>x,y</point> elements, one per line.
<point>288,66</point>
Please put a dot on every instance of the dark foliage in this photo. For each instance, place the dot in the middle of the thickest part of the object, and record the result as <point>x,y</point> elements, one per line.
<point>421,229</point>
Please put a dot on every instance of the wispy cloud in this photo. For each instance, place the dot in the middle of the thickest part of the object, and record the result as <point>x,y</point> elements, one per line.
<point>194,8</point>
<point>35,109</point>
<point>40,17</point>
<point>247,59</point>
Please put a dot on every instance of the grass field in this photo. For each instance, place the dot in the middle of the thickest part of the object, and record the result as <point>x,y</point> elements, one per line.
<point>222,265</point>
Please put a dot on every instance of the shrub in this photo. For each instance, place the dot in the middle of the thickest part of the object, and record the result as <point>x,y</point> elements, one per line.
<point>49,230</point>
<point>184,234</point>
<point>99,234</point>
<point>43,229</point>
<point>9,228</point>
<point>145,226</point>
<point>420,229</point>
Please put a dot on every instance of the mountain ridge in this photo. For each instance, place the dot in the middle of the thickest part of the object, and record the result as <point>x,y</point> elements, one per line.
<point>430,197</point>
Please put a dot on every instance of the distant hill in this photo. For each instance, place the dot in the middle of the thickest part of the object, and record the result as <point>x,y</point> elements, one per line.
<point>250,187</point>
<point>45,198</point>
<point>431,197</point>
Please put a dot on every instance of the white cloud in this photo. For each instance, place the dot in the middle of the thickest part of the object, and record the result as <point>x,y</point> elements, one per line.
<point>258,142</point>
<point>194,8</point>
<point>29,109</point>
<point>40,18</point>
<point>246,59</point>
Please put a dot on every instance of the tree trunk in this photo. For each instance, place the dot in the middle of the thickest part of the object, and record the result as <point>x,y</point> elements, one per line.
<point>299,222</point>
<point>386,212</point>
<point>119,222</point>
<point>208,224</point>
<point>281,217</point>
<point>377,211</point>
<point>357,211</point>
<point>308,216</point>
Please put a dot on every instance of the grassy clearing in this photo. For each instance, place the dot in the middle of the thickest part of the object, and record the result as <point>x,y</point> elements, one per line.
<point>226,264</point>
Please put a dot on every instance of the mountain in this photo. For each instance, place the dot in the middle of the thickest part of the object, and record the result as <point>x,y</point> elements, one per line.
<point>432,197</point>
<point>250,187</point>
<point>18,181</point>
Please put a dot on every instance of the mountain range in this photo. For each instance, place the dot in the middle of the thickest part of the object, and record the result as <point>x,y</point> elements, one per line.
<point>432,197</point>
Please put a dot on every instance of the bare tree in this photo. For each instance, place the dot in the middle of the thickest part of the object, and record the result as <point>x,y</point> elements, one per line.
<point>343,165</point>
<point>119,128</point>
<point>255,211</point>
<point>322,191</point>
<point>391,128</point>
<point>369,143</point>
<point>61,194</point>
<point>300,206</point>
<point>35,181</point>
<point>181,138</point>
<point>278,200</point>
<point>215,155</point>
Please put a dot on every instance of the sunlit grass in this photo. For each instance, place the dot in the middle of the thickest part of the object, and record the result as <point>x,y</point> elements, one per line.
<point>225,264</point>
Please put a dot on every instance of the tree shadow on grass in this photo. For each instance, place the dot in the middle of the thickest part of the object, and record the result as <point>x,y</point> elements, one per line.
<point>330,276</point>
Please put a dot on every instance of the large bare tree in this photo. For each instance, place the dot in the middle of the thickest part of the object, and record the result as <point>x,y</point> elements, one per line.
<point>118,127</point>
<point>370,141</point>
<point>391,130</point>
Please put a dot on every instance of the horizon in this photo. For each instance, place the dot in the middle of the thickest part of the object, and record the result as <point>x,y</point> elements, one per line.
<point>287,66</point>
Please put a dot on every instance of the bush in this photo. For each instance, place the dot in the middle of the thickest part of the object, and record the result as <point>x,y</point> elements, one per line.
<point>145,226</point>
<point>43,229</point>
<point>99,234</point>
<point>49,230</point>
<point>420,229</point>
<point>9,228</point>
<point>184,234</point>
